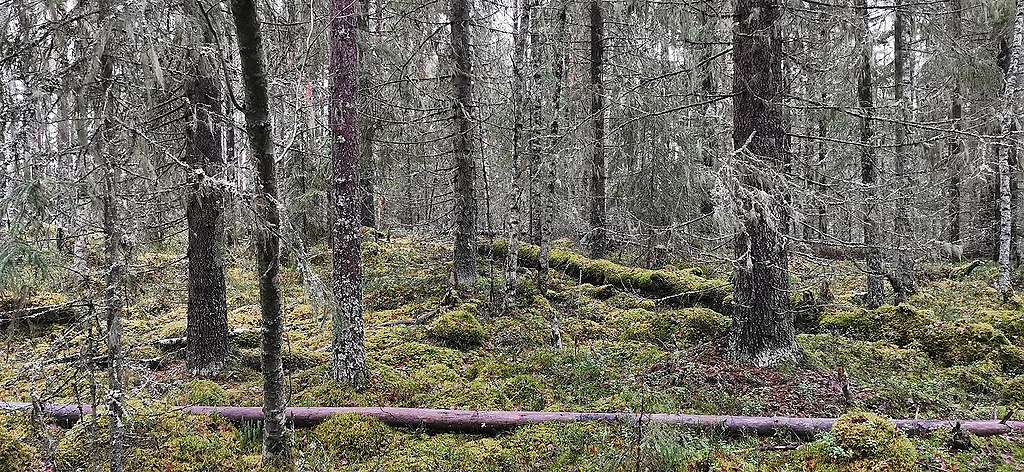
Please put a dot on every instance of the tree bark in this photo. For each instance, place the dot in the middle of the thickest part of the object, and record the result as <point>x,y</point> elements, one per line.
<point>519,104</point>
<point>869,167</point>
<point>1008,121</point>
<point>598,167</point>
<point>268,242</point>
<point>349,355</point>
<point>903,33</point>
<point>472,421</point>
<point>464,264</point>
<point>762,331</point>
<point>953,145</point>
<point>206,330</point>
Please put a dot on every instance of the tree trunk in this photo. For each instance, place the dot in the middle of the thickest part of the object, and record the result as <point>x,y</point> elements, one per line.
<point>206,330</point>
<point>268,243</point>
<point>869,168</point>
<point>464,265</point>
<point>1008,122</point>
<point>598,167</point>
<point>368,125</point>
<point>762,332</point>
<point>519,103</point>
<point>903,32</point>
<point>472,421</point>
<point>953,145</point>
<point>349,355</point>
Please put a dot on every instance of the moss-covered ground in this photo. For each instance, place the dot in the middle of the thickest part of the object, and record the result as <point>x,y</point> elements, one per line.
<point>954,351</point>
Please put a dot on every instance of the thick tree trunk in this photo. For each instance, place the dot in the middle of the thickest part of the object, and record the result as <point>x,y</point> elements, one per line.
<point>869,168</point>
<point>349,355</point>
<point>464,265</point>
<point>903,32</point>
<point>598,167</point>
<point>762,330</point>
<point>472,421</point>
<point>1008,122</point>
<point>268,243</point>
<point>206,330</point>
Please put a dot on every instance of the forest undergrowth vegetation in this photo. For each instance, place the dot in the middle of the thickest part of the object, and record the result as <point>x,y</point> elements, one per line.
<point>954,350</point>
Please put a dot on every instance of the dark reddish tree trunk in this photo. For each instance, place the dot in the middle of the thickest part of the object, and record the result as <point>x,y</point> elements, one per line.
<point>349,357</point>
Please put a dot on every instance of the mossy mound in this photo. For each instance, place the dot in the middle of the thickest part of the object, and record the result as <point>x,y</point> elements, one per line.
<point>872,441</point>
<point>1013,390</point>
<point>207,393</point>
<point>458,328</point>
<point>16,455</point>
<point>353,438</point>
<point>901,324</point>
<point>689,325</point>
<point>1010,322</point>
<point>962,342</point>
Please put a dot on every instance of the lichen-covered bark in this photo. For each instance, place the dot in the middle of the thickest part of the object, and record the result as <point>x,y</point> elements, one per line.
<point>598,169</point>
<point>519,103</point>
<point>464,265</point>
<point>904,284</point>
<point>1008,120</point>
<point>869,168</point>
<point>206,330</point>
<point>762,332</point>
<point>554,138</point>
<point>348,360</point>
<point>268,242</point>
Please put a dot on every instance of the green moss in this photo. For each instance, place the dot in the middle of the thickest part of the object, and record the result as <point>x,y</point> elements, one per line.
<point>525,392</point>
<point>688,324</point>
<point>415,355</point>
<point>354,438</point>
<point>459,329</point>
<point>1013,390</point>
<point>700,324</point>
<point>865,441</point>
<point>961,342</point>
<point>1010,322</point>
<point>901,324</point>
<point>206,392</point>
<point>627,301</point>
<point>15,453</point>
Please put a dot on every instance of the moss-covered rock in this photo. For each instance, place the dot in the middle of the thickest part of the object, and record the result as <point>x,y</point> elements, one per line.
<point>1013,390</point>
<point>866,441</point>
<point>1010,322</point>
<point>700,324</point>
<point>962,342</point>
<point>458,328</point>
<point>353,438</point>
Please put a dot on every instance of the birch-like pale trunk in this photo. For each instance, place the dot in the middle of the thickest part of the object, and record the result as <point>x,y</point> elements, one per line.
<point>276,452</point>
<point>348,360</point>
<point>1008,120</point>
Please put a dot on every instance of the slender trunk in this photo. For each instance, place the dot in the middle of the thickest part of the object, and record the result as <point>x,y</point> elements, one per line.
<point>903,32</point>
<point>268,242</point>
<point>519,103</point>
<point>869,167</point>
<point>464,265</point>
<point>206,330</point>
<point>535,123</point>
<point>598,168</point>
<point>349,355</point>
<point>762,332</point>
<point>368,125</point>
<point>1008,122</point>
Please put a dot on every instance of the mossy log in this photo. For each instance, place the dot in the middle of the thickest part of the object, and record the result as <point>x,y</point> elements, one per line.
<point>681,287</point>
<point>469,421</point>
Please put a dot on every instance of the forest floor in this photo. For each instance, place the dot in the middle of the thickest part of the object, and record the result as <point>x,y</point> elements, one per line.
<point>952,352</point>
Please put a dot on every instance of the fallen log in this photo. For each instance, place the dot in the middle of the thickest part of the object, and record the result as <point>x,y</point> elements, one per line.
<point>680,287</point>
<point>39,315</point>
<point>496,421</point>
<point>169,344</point>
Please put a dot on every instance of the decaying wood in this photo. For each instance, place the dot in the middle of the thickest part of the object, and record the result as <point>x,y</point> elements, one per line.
<point>496,421</point>
<point>39,315</point>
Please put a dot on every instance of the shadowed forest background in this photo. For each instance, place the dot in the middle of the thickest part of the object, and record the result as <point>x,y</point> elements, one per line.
<point>756,208</point>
